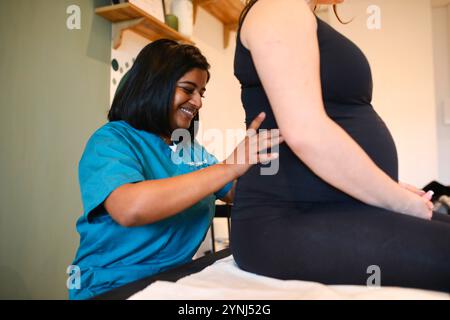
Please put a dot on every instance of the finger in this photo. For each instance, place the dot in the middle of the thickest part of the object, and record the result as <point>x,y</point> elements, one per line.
<point>270,143</point>
<point>265,158</point>
<point>428,195</point>
<point>256,123</point>
<point>272,134</point>
<point>412,188</point>
<point>407,186</point>
<point>268,134</point>
<point>264,140</point>
<point>275,132</point>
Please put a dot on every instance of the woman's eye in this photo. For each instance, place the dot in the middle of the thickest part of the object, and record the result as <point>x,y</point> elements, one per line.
<point>187,90</point>
<point>191,91</point>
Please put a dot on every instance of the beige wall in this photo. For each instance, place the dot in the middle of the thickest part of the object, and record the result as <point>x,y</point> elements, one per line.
<point>223,108</point>
<point>441,42</point>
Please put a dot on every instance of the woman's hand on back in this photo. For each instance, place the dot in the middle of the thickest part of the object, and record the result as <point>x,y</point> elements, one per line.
<point>252,149</point>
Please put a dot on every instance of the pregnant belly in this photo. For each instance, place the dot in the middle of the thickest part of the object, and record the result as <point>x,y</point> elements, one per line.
<point>295,182</point>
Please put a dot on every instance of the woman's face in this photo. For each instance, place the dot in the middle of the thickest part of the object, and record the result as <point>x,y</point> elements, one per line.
<point>188,97</point>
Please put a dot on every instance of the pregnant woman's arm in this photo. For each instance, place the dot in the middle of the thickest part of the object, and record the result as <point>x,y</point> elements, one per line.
<point>282,39</point>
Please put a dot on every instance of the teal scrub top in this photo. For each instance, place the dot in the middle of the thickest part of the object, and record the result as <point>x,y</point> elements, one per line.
<point>110,255</point>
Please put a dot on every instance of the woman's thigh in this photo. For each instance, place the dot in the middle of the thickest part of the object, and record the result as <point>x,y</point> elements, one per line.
<point>342,244</point>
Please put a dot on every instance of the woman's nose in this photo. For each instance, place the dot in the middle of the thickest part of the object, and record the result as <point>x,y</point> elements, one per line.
<point>196,99</point>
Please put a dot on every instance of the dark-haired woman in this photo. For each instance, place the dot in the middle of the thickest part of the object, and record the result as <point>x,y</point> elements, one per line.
<point>335,208</point>
<point>148,206</point>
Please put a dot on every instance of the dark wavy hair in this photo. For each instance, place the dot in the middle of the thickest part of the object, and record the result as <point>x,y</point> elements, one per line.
<point>144,98</point>
<point>250,3</point>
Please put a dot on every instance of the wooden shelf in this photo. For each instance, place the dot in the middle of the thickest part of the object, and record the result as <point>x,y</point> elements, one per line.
<point>126,16</point>
<point>227,11</point>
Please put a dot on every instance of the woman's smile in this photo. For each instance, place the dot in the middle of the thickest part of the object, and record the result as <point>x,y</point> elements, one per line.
<point>188,111</point>
<point>189,93</point>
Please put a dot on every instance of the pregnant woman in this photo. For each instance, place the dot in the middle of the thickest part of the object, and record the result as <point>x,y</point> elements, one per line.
<point>335,207</point>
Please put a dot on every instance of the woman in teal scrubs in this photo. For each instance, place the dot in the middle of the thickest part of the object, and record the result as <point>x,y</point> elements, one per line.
<point>148,201</point>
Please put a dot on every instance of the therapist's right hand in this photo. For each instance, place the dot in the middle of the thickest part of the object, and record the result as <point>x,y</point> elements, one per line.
<point>253,148</point>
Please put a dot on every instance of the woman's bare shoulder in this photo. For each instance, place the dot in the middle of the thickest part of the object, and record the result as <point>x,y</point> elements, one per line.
<point>269,19</point>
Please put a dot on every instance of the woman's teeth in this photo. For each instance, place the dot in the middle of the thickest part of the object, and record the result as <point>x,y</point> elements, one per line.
<point>188,111</point>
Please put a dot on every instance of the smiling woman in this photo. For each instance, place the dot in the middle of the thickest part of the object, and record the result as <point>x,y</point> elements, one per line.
<point>145,99</point>
<point>146,209</point>
<point>188,98</point>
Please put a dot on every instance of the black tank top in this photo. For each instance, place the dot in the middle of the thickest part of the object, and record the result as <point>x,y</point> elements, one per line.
<point>346,82</point>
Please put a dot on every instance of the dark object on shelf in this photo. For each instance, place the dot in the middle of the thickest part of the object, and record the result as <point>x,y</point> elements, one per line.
<point>172,21</point>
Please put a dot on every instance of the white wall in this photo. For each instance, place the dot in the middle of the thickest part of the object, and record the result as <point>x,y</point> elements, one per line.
<point>222,108</point>
<point>401,58</point>
<point>441,42</point>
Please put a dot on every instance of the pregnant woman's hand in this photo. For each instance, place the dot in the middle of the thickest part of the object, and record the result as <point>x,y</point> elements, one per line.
<point>420,206</point>
<point>252,149</point>
<point>412,188</point>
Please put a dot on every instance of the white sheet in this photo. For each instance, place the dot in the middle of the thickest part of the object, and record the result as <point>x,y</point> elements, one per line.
<point>223,280</point>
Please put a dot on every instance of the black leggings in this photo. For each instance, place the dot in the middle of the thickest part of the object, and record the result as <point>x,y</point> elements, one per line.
<point>336,243</point>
